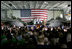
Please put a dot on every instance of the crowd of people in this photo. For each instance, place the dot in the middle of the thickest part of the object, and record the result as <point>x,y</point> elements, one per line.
<point>35,37</point>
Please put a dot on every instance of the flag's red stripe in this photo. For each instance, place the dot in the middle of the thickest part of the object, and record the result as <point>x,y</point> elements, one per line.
<point>45,16</point>
<point>33,18</point>
<point>39,13</point>
<point>42,18</point>
<point>39,9</point>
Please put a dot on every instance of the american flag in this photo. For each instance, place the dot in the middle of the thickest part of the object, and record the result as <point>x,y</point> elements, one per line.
<point>30,14</point>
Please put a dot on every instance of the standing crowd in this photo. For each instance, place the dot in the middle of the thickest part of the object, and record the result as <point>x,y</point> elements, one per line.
<point>35,37</point>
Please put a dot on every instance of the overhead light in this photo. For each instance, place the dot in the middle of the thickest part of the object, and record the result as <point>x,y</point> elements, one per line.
<point>46,2</point>
<point>61,15</point>
<point>70,18</point>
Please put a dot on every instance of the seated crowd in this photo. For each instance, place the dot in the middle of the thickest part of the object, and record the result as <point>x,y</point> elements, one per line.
<point>39,37</point>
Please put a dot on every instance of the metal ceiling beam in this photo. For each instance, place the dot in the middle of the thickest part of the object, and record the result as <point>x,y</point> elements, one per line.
<point>23,5</point>
<point>31,4</point>
<point>56,5</point>
<point>40,3</point>
<point>26,4</point>
<point>37,5</point>
<point>63,5</point>
<point>50,3</point>
<point>4,7</point>
<point>44,4</point>
<point>34,3</point>
<point>6,4</point>
<point>13,4</point>
<point>19,4</point>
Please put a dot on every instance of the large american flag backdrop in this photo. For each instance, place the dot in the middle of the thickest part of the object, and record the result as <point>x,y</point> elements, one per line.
<point>30,14</point>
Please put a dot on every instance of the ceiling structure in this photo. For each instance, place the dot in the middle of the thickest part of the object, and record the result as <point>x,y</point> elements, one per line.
<point>35,4</point>
<point>50,5</point>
